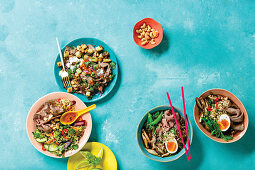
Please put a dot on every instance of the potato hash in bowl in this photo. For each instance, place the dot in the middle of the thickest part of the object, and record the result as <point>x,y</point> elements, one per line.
<point>89,68</point>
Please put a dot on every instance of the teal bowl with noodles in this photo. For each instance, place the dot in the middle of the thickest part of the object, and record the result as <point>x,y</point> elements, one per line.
<point>140,140</point>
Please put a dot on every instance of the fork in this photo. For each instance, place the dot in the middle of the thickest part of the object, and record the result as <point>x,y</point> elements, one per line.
<point>64,74</point>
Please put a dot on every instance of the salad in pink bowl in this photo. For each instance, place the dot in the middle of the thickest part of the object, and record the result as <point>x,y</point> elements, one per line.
<point>48,135</point>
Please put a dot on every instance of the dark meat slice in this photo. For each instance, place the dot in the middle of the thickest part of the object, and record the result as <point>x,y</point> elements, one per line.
<point>238,127</point>
<point>235,114</point>
<point>171,124</point>
<point>38,118</point>
<point>100,89</point>
<point>108,71</point>
<point>233,111</point>
<point>41,114</point>
<point>167,113</point>
<point>159,130</point>
<point>237,119</point>
<point>45,128</point>
<point>56,110</point>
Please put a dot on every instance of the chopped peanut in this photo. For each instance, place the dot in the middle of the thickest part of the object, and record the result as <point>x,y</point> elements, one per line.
<point>147,34</point>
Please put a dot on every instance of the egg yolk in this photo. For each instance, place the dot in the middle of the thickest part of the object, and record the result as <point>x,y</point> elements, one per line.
<point>171,146</point>
<point>223,124</point>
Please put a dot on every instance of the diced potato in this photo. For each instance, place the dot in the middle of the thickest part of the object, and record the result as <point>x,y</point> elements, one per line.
<point>78,71</point>
<point>86,57</point>
<point>84,46</point>
<point>90,51</point>
<point>88,93</point>
<point>72,82</point>
<point>59,64</point>
<point>99,48</point>
<point>101,56</point>
<point>70,89</point>
<point>78,54</point>
<point>83,74</point>
<point>66,54</point>
<point>107,60</point>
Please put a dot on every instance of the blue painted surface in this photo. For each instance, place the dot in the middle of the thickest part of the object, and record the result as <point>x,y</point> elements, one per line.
<point>207,44</point>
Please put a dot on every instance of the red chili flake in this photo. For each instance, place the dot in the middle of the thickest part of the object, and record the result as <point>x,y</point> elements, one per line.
<point>209,108</point>
<point>216,100</point>
<point>59,100</point>
<point>43,148</point>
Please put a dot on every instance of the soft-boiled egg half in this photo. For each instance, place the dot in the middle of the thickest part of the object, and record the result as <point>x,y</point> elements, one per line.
<point>171,146</point>
<point>224,122</point>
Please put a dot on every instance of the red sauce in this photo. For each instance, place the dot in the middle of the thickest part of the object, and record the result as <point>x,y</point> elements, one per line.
<point>69,117</point>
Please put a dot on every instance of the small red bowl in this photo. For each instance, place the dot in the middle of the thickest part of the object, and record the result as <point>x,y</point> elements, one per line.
<point>153,24</point>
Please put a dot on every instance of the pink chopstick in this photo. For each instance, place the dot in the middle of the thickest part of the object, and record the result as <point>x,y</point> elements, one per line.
<point>177,125</point>
<point>186,126</point>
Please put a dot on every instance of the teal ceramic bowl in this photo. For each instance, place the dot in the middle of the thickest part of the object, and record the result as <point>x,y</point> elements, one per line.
<point>140,142</point>
<point>94,42</point>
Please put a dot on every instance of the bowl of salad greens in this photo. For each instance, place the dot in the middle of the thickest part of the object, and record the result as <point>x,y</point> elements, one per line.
<point>48,135</point>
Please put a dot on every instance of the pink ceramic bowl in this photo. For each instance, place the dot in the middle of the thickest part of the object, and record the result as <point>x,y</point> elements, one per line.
<point>235,100</point>
<point>31,125</point>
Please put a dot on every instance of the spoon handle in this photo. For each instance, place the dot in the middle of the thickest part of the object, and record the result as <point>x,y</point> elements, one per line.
<point>87,109</point>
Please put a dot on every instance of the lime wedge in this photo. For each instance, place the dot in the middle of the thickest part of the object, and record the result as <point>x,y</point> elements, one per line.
<point>84,153</point>
<point>82,164</point>
<point>100,153</point>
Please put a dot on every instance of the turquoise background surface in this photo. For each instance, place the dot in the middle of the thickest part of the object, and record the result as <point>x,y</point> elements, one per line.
<point>207,44</point>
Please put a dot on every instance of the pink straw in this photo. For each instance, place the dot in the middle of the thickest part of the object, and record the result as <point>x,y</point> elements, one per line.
<point>186,126</point>
<point>177,125</point>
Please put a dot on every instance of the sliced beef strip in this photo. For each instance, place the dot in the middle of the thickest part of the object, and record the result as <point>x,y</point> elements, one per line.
<point>56,110</point>
<point>235,115</point>
<point>238,119</point>
<point>171,124</point>
<point>238,127</point>
<point>233,111</point>
<point>45,128</point>
<point>108,71</point>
